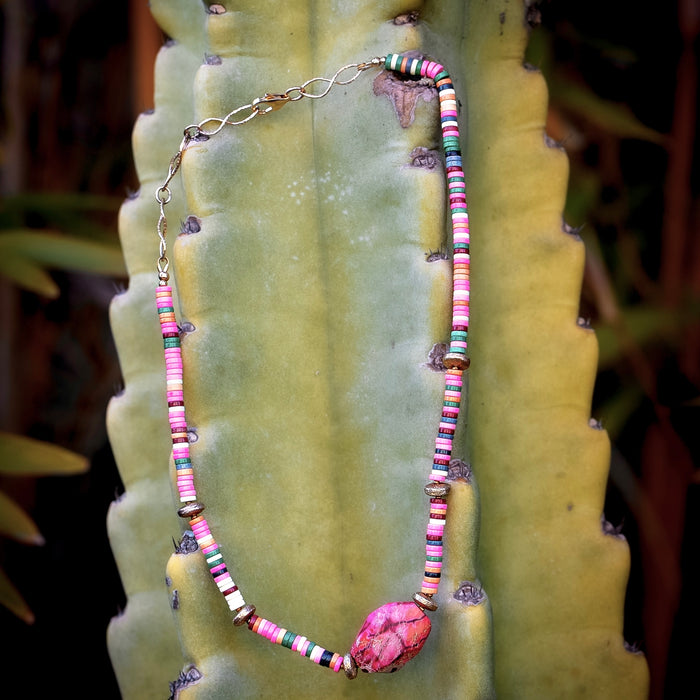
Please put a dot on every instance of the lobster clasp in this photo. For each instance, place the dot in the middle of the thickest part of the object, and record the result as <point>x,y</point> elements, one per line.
<point>270,102</point>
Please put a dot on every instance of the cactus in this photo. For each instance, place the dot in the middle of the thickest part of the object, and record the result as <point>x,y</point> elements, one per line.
<point>310,310</point>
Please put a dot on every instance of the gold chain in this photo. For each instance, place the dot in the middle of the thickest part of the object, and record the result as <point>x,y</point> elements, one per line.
<point>269,102</point>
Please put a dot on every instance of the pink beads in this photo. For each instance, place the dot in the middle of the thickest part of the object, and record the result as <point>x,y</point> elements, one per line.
<point>181,449</point>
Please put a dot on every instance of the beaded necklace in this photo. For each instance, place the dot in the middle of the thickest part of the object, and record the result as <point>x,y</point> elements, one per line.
<point>395,632</point>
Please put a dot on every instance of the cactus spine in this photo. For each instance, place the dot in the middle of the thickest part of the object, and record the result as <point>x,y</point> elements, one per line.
<point>312,309</point>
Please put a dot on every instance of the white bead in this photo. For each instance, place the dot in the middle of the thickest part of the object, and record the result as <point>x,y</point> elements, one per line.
<point>235,600</point>
<point>225,583</point>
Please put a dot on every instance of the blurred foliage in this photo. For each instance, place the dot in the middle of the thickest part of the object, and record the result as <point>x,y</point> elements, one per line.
<point>65,164</point>
<point>26,256</point>
<point>27,253</point>
<point>22,456</point>
<point>625,112</point>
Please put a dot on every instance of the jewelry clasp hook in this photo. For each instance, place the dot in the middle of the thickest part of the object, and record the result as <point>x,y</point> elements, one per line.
<point>269,102</point>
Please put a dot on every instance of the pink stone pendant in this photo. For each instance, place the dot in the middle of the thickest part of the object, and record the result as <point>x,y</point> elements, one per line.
<point>391,636</point>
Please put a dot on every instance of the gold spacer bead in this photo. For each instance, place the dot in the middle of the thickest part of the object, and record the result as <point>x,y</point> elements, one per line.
<point>350,667</point>
<point>243,615</point>
<point>424,602</point>
<point>437,489</point>
<point>163,278</point>
<point>453,360</point>
<point>191,510</point>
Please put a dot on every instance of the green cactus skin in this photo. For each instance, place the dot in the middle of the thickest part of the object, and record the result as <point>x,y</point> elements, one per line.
<point>314,309</point>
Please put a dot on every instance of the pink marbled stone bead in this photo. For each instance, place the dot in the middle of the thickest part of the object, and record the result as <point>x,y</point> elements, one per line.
<point>390,636</point>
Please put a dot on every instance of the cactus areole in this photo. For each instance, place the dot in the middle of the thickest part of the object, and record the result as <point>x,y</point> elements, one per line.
<point>395,632</point>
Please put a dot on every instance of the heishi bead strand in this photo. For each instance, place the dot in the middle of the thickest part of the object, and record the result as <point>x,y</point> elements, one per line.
<point>455,360</point>
<point>193,509</point>
<point>295,642</point>
<point>374,648</point>
<point>181,450</point>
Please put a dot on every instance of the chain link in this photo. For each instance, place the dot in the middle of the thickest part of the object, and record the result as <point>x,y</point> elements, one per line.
<point>269,102</point>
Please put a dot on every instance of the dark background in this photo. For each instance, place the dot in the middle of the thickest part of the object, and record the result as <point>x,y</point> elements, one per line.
<point>74,76</point>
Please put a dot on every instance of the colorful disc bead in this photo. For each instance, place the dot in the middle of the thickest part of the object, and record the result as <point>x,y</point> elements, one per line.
<point>295,642</point>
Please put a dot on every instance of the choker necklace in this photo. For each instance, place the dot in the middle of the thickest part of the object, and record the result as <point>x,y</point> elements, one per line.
<point>395,632</point>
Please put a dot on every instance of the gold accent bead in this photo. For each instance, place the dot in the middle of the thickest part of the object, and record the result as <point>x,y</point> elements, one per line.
<point>454,360</point>
<point>350,667</point>
<point>424,602</point>
<point>437,489</point>
<point>163,278</point>
<point>243,615</point>
<point>191,510</point>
